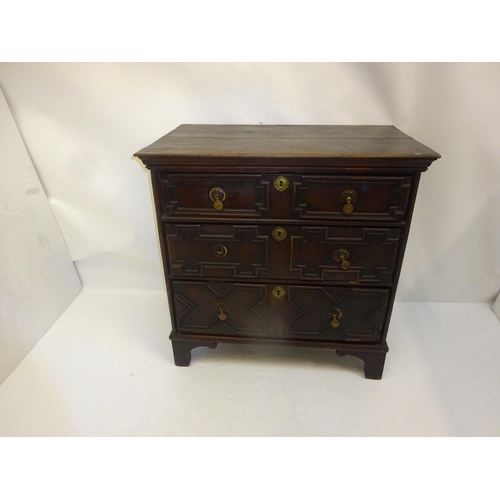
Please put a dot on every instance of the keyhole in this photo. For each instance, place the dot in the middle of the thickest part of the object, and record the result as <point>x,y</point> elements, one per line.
<point>281,182</point>
<point>278,293</point>
<point>279,233</point>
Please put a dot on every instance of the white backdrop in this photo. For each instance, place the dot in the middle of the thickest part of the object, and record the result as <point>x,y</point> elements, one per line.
<point>38,280</point>
<point>82,123</point>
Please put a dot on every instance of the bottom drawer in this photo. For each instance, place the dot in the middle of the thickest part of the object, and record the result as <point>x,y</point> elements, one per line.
<point>280,311</point>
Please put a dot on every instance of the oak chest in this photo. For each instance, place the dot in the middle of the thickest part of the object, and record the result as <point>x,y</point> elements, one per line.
<point>285,235</point>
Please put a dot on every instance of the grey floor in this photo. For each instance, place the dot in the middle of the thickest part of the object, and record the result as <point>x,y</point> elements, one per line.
<point>106,369</point>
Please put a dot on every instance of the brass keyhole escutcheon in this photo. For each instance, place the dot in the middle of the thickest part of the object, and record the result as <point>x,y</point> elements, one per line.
<point>279,234</point>
<point>349,196</point>
<point>220,251</point>
<point>217,195</point>
<point>221,307</point>
<point>278,292</point>
<point>335,315</point>
<point>341,255</point>
<point>281,183</point>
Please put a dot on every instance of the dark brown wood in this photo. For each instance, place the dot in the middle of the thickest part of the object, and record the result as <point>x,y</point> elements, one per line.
<point>374,362</point>
<point>283,141</point>
<point>319,344</point>
<point>249,252</point>
<point>182,350</point>
<point>223,263</point>
<point>187,195</point>
<point>309,197</point>
<point>347,166</point>
<point>319,197</point>
<point>301,312</point>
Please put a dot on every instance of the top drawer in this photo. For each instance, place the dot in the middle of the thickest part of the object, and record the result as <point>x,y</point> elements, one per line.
<point>337,197</point>
<point>267,196</point>
<point>214,195</point>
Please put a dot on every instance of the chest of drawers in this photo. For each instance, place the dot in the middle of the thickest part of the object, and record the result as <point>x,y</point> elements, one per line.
<point>284,235</point>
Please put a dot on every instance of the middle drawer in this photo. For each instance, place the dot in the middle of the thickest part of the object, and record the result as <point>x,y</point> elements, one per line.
<point>311,253</point>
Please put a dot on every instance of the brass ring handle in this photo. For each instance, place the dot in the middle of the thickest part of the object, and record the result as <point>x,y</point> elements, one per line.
<point>349,196</point>
<point>221,308</point>
<point>220,251</point>
<point>335,315</point>
<point>341,255</point>
<point>217,195</point>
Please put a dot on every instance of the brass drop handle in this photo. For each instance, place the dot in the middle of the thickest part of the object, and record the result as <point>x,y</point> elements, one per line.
<point>335,315</point>
<point>341,255</point>
<point>349,196</point>
<point>222,315</point>
<point>217,195</point>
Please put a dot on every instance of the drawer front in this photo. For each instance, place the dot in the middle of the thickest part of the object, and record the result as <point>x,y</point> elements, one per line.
<point>218,250</point>
<point>343,254</point>
<point>351,197</point>
<point>317,253</point>
<point>280,311</point>
<point>214,195</point>
<point>359,313</point>
<point>233,309</point>
<point>307,197</point>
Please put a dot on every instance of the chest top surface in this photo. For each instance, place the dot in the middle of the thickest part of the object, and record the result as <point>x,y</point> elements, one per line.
<point>306,142</point>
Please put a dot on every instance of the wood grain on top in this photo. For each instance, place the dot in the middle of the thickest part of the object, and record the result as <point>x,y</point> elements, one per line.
<point>287,141</point>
